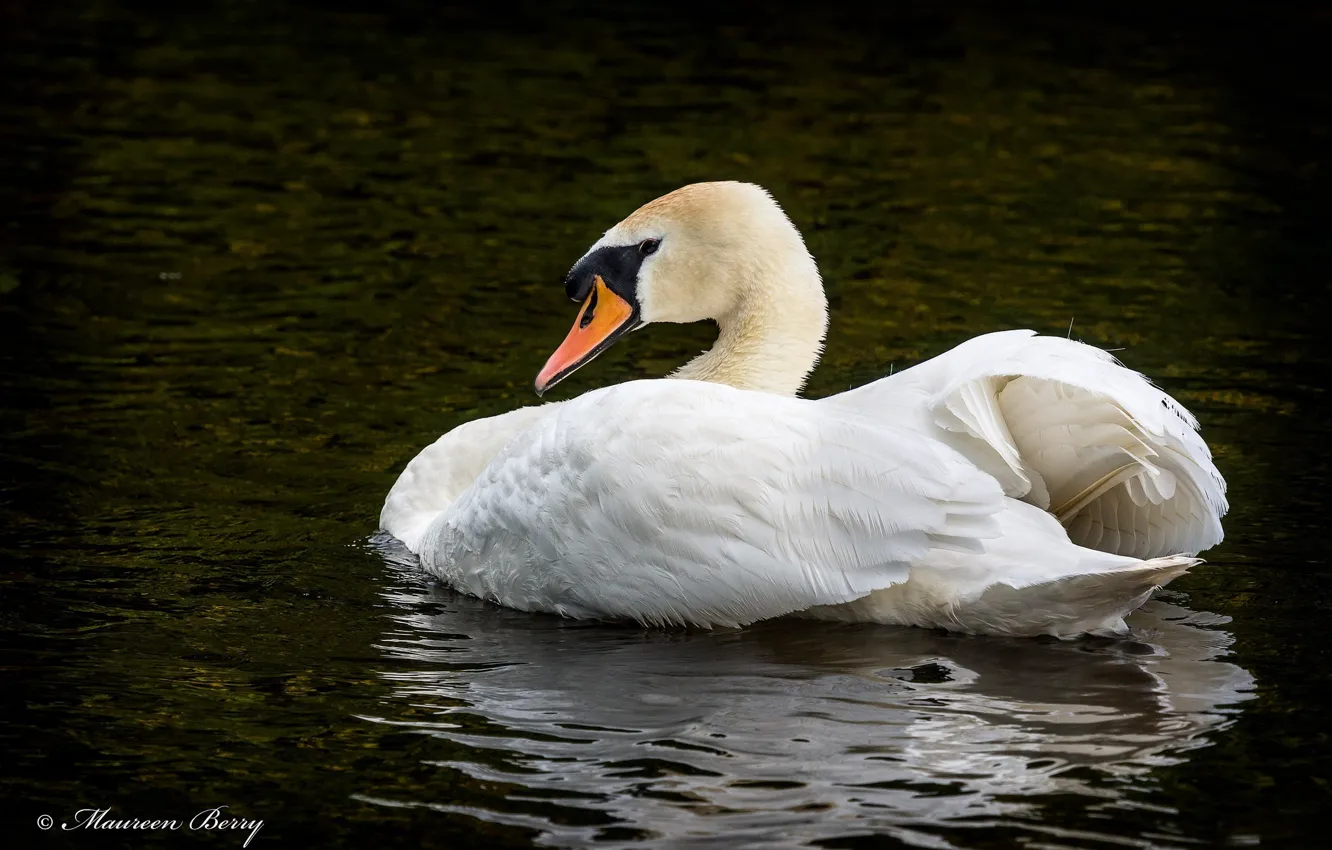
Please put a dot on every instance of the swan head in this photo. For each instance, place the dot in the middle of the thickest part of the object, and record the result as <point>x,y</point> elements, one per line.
<point>716,251</point>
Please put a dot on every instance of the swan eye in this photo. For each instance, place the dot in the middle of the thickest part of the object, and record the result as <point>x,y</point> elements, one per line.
<point>648,246</point>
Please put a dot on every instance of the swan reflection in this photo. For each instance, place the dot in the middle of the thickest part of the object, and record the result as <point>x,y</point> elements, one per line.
<point>791,731</point>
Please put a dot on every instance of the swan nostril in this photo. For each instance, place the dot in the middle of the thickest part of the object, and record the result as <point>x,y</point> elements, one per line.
<point>590,311</point>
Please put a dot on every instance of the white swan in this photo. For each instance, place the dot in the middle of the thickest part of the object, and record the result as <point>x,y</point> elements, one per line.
<point>719,499</point>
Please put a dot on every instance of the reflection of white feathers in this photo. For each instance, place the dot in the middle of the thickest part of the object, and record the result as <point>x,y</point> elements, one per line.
<point>793,732</point>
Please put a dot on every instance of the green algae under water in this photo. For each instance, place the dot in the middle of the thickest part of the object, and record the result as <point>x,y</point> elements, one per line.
<point>256,256</point>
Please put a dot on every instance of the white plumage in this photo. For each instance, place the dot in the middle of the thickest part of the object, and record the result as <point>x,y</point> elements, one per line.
<point>934,497</point>
<point>682,502</point>
<point>1064,426</point>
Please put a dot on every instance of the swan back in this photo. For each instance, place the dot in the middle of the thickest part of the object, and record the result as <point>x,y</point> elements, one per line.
<point>682,502</point>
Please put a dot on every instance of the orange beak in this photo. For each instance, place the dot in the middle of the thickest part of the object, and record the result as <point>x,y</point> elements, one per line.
<point>605,317</point>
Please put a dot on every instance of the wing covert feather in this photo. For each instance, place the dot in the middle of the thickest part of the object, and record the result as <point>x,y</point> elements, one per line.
<point>1066,427</point>
<point>680,502</point>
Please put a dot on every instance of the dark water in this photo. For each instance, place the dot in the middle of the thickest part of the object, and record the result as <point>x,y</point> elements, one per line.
<point>257,255</point>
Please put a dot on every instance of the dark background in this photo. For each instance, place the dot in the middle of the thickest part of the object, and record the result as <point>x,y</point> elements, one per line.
<point>254,255</point>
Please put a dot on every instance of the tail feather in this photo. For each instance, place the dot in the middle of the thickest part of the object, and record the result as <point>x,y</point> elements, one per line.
<point>1029,580</point>
<point>1093,603</point>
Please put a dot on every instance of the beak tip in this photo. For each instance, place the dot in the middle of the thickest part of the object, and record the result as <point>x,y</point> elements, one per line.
<point>595,328</point>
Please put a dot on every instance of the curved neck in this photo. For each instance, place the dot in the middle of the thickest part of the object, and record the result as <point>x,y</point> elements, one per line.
<point>772,339</point>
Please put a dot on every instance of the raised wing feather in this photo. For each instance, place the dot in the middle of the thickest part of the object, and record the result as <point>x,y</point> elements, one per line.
<point>680,502</point>
<point>1066,427</point>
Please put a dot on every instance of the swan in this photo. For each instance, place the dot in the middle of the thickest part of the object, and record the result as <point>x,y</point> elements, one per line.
<point>1015,485</point>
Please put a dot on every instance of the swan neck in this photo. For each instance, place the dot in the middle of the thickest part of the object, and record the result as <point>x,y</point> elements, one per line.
<point>771,340</point>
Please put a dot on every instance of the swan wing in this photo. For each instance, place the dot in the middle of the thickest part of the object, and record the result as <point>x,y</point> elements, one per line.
<point>1066,427</point>
<point>683,502</point>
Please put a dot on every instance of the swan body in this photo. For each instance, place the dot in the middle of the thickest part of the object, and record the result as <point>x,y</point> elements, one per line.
<point>1015,485</point>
